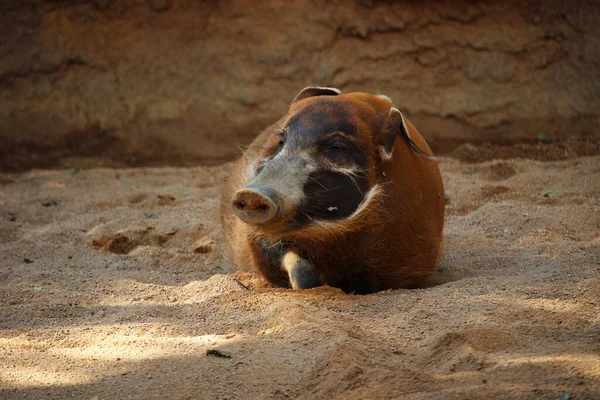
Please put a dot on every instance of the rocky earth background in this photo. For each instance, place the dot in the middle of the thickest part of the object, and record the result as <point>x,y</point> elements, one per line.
<point>179,82</point>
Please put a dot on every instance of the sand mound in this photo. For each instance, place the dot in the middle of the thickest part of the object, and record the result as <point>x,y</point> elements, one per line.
<point>112,285</point>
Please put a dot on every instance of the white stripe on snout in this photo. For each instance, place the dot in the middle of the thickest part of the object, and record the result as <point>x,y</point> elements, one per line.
<point>283,152</point>
<point>250,171</point>
<point>286,174</point>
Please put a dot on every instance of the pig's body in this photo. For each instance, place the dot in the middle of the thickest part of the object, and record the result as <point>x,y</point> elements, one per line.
<point>342,198</point>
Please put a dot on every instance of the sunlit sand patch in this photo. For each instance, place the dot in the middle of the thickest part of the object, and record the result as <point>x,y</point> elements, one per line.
<point>106,356</point>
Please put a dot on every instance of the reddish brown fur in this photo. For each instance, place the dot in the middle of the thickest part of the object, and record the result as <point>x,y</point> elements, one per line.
<point>394,243</point>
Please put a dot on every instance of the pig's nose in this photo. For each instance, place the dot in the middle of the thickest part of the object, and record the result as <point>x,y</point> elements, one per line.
<point>255,204</point>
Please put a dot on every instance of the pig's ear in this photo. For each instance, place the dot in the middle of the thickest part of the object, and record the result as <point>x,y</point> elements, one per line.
<point>394,124</point>
<point>312,91</point>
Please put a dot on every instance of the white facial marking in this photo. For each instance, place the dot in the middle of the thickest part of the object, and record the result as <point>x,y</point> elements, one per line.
<point>385,155</point>
<point>345,170</point>
<point>250,169</point>
<point>371,194</point>
<point>330,209</point>
<point>283,152</point>
<point>286,173</point>
<point>351,173</point>
<point>364,205</point>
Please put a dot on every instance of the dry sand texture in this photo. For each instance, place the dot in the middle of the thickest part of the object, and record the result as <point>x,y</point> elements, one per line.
<point>112,286</point>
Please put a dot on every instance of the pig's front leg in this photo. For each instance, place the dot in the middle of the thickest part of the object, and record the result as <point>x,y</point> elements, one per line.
<point>302,273</point>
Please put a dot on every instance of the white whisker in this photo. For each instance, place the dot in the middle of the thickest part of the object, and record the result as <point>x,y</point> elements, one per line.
<point>353,174</point>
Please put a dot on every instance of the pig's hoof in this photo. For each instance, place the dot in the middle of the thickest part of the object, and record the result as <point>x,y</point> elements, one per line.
<point>302,273</point>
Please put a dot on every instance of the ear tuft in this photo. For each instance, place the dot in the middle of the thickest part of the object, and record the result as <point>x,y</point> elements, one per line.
<point>384,97</point>
<point>395,124</point>
<point>312,91</point>
<point>391,128</point>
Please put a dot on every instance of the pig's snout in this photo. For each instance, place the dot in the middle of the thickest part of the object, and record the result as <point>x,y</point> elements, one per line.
<point>256,204</point>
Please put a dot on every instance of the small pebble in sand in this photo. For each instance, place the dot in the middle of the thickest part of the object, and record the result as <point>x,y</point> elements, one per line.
<point>218,353</point>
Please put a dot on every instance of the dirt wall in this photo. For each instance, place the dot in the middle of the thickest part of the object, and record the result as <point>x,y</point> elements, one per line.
<point>182,81</point>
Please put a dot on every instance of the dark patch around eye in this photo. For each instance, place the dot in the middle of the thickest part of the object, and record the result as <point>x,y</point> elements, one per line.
<point>319,122</point>
<point>335,143</point>
<point>279,146</point>
<point>330,195</point>
<point>282,136</point>
<point>339,146</point>
<point>342,151</point>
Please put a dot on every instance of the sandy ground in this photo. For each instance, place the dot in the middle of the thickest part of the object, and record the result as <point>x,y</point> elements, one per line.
<point>112,286</point>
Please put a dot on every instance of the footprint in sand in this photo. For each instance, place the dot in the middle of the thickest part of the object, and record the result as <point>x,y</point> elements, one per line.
<point>127,241</point>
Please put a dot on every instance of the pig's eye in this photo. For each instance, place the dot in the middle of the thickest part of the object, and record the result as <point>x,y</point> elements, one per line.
<point>281,136</point>
<point>338,145</point>
<point>280,145</point>
<point>281,140</point>
<point>335,146</point>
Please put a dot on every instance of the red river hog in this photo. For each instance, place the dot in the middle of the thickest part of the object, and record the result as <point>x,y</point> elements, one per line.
<point>341,191</point>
